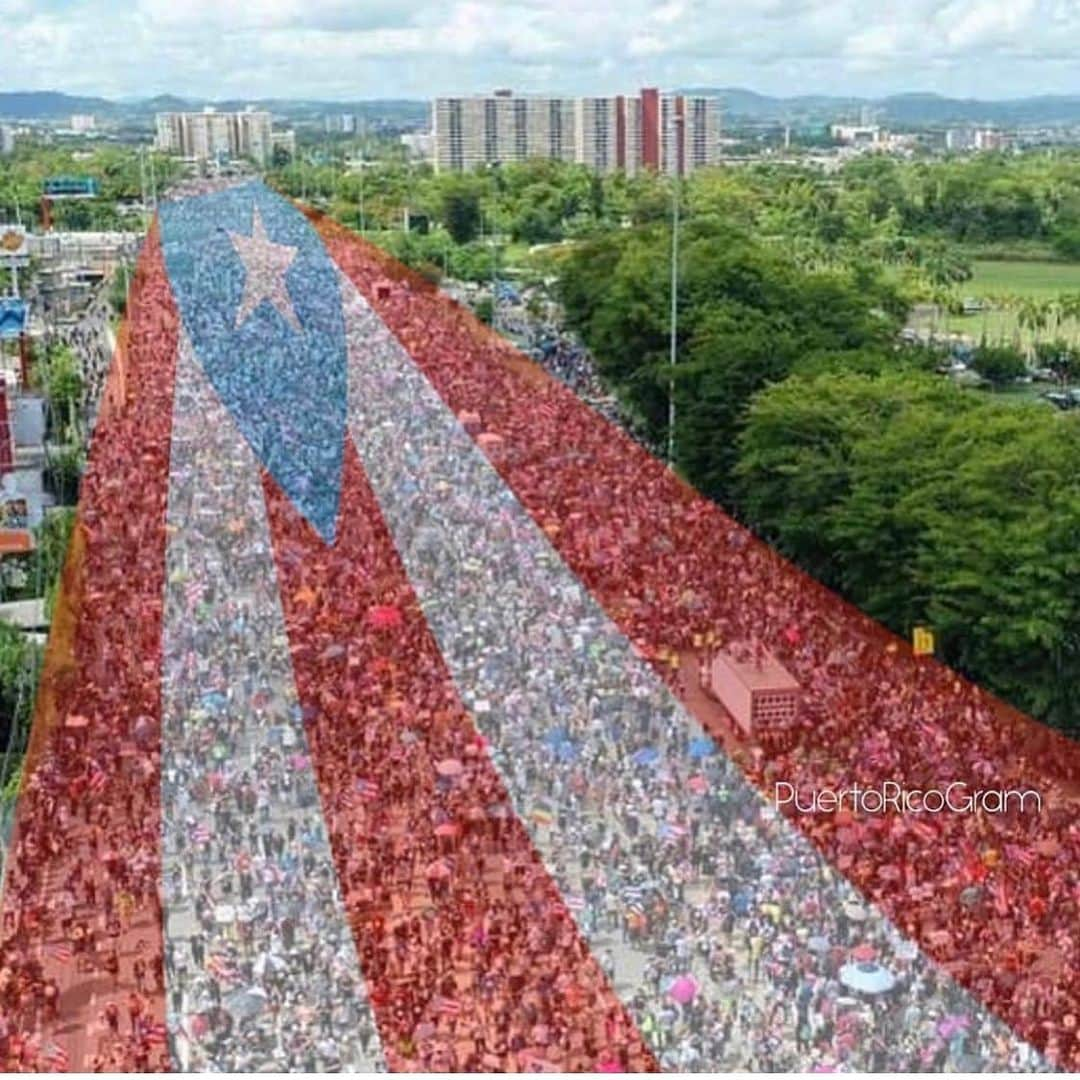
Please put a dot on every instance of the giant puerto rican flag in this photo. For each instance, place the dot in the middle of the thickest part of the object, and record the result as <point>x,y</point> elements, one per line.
<point>351,571</point>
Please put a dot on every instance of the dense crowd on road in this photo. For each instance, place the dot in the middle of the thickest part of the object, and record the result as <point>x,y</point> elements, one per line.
<point>82,964</point>
<point>90,338</point>
<point>666,825</point>
<point>262,970</point>
<point>531,320</point>
<point>652,910</point>
<point>676,570</point>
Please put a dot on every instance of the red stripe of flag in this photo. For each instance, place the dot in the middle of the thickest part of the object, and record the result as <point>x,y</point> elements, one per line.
<point>103,660</point>
<point>581,478</point>
<point>386,705</point>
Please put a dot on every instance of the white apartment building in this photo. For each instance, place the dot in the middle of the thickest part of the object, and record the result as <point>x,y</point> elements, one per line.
<point>475,131</point>
<point>210,134</point>
<point>608,134</point>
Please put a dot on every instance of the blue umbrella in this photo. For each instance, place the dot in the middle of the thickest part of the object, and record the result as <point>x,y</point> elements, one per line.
<point>647,755</point>
<point>213,700</point>
<point>566,751</point>
<point>867,978</point>
<point>701,747</point>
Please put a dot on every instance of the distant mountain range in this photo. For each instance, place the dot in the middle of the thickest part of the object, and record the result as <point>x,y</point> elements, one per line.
<point>738,105</point>
<point>52,105</point>
<point>898,109</point>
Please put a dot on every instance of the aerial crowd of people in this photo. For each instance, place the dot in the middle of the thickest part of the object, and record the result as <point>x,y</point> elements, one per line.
<point>340,806</point>
<point>260,963</point>
<point>82,962</point>
<point>675,572</point>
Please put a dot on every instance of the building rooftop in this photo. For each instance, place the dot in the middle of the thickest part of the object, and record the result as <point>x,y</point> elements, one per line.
<point>770,674</point>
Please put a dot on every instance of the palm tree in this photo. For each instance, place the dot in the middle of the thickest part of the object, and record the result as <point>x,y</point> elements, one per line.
<point>1033,314</point>
<point>1069,309</point>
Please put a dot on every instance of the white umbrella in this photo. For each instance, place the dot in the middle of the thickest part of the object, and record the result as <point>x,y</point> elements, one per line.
<point>854,911</point>
<point>268,961</point>
<point>247,1002</point>
<point>867,978</point>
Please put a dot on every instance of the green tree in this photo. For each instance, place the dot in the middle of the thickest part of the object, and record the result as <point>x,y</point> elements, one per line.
<point>923,502</point>
<point>63,387</point>
<point>998,364</point>
<point>461,213</point>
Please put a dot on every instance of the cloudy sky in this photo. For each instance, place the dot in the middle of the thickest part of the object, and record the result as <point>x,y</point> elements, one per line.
<point>351,49</point>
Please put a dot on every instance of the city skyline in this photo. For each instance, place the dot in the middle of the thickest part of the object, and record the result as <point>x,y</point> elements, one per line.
<point>958,48</point>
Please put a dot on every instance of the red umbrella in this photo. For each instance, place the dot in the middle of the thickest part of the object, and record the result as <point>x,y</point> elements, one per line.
<point>864,953</point>
<point>384,616</point>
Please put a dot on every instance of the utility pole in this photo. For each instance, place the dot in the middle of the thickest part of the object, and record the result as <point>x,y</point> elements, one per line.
<point>494,255</point>
<point>494,281</point>
<point>142,184</point>
<point>363,169</point>
<point>674,290</point>
<point>14,263</point>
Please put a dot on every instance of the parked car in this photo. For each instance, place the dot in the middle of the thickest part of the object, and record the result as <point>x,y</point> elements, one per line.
<point>1063,400</point>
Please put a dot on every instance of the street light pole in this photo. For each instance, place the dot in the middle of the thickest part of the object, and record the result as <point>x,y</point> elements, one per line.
<point>494,281</point>
<point>14,263</point>
<point>494,165</point>
<point>142,186</point>
<point>363,169</point>
<point>674,293</point>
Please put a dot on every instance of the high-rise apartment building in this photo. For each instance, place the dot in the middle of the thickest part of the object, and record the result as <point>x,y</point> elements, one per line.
<point>484,130</point>
<point>254,135</point>
<point>211,134</point>
<point>609,134</point>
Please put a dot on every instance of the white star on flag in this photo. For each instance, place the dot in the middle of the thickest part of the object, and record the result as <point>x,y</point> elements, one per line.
<point>265,266</point>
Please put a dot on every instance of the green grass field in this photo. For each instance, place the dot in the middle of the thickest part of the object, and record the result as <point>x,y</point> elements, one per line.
<point>1041,280</point>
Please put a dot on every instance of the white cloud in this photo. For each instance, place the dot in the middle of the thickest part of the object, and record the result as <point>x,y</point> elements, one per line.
<point>347,49</point>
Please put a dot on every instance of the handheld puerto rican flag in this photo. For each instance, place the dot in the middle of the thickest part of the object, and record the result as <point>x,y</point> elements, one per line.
<point>407,632</point>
